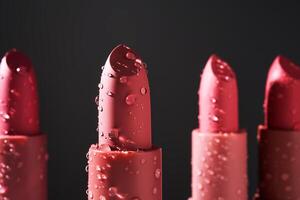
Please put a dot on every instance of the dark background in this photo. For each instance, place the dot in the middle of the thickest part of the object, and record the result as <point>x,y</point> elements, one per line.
<point>68,42</point>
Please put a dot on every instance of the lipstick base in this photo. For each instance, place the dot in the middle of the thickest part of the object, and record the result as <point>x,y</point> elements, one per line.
<point>23,167</point>
<point>279,164</point>
<point>219,166</point>
<point>124,174</point>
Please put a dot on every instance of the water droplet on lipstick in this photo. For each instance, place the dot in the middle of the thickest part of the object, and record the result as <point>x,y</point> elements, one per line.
<point>143,91</point>
<point>97,100</point>
<point>100,86</point>
<point>214,118</point>
<point>285,177</point>
<point>130,56</point>
<point>109,93</point>
<point>123,79</point>
<point>157,173</point>
<point>130,99</point>
<point>5,116</point>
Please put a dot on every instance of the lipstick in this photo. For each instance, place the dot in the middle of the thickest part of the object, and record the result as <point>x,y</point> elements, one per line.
<point>23,149</point>
<point>219,147</point>
<point>124,164</point>
<point>279,136</point>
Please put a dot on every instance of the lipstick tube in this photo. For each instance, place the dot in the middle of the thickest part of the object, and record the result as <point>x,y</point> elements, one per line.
<point>279,136</point>
<point>124,164</point>
<point>219,148</point>
<point>23,149</point>
<point>219,165</point>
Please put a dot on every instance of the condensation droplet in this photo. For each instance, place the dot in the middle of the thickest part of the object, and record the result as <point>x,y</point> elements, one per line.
<point>110,75</point>
<point>123,79</point>
<point>130,56</point>
<point>154,191</point>
<point>143,91</point>
<point>130,99</point>
<point>109,93</point>
<point>157,173</point>
<point>97,100</point>
<point>285,177</point>
<point>214,118</point>
<point>213,100</point>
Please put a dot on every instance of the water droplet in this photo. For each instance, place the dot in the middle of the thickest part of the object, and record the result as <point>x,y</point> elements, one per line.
<point>214,118</point>
<point>109,93</point>
<point>285,177</point>
<point>112,191</point>
<point>123,79</point>
<point>102,198</point>
<point>288,188</point>
<point>100,86</point>
<point>5,116</point>
<point>21,69</point>
<point>143,161</point>
<point>213,100</point>
<point>143,91</point>
<point>154,191</point>
<point>3,189</point>
<point>130,56</point>
<point>97,100</point>
<point>110,75</point>
<point>130,99</point>
<point>14,92</point>
<point>87,168</point>
<point>157,173</point>
<point>100,108</point>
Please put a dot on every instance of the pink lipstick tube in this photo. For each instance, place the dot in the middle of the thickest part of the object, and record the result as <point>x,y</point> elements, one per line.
<point>124,164</point>
<point>219,149</point>
<point>125,174</point>
<point>219,166</point>
<point>23,149</point>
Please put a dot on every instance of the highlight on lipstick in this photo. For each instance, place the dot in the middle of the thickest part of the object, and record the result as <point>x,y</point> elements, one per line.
<point>279,136</point>
<point>219,147</point>
<point>124,164</point>
<point>23,148</point>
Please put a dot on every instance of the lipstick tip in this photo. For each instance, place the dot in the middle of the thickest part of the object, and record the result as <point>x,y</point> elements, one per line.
<point>282,88</point>
<point>220,68</point>
<point>125,61</point>
<point>218,101</point>
<point>17,61</point>
<point>288,67</point>
<point>18,95</point>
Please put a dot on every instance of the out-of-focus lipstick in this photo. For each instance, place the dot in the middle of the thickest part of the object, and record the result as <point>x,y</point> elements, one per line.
<point>279,137</point>
<point>23,149</point>
<point>219,148</point>
<point>124,165</point>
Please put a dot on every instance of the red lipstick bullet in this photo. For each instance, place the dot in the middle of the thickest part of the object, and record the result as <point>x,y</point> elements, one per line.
<point>124,164</point>
<point>219,147</point>
<point>279,137</point>
<point>23,153</point>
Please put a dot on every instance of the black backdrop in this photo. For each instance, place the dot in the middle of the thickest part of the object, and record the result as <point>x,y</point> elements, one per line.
<point>68,41</point>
